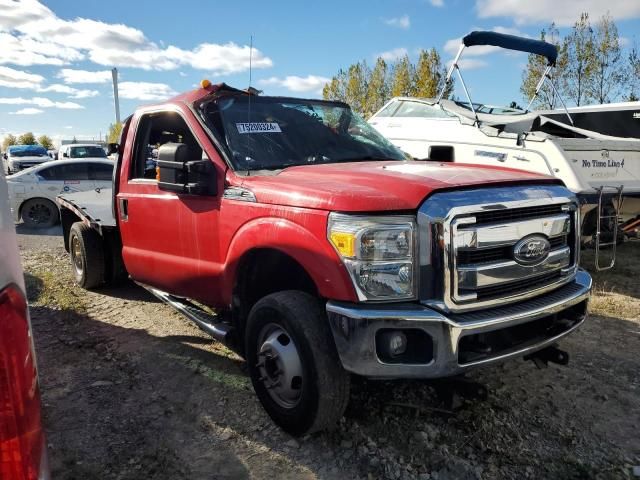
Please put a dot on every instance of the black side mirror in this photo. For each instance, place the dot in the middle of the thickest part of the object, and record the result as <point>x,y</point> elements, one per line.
<point>112,148</point>
<point>4,155</point>
<point>65,155</point>
<point>179,172</point>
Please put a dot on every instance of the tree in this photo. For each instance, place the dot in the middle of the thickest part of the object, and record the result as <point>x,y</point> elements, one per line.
<point>580,47</point>
<point>113,134</point>
<point>356,87</point>
<point>633,79</point>
<point>609,74</point>
<point>335,89</point>
<point>402,79</point>
<point>9,140</point>
<point>27,139</point>
<point>536,65</point>
<point>430,75</point>
<point>45,141</point>
<point>377,88</point>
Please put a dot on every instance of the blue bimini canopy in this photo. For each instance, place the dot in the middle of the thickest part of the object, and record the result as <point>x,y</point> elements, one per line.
<point>511,42</point>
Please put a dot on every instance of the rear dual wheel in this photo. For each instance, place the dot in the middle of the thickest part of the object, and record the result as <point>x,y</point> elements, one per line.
<point>293,363</point>
<point>87,256</point>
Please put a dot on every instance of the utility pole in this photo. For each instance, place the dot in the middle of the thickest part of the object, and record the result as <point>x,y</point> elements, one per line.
<point>114,75</point>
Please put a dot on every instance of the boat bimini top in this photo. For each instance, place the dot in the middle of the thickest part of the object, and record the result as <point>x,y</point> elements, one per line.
<point>509,42</point>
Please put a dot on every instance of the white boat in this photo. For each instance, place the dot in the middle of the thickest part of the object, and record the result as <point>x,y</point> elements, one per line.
<point>601,169</point>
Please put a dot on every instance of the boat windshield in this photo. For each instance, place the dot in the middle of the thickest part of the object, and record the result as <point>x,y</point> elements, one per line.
<point>271,133</point>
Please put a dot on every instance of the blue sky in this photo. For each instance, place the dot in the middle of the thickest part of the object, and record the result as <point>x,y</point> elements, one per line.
<point>55,56</point>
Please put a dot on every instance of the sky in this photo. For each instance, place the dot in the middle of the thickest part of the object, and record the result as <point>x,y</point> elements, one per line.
<point>56,56</point>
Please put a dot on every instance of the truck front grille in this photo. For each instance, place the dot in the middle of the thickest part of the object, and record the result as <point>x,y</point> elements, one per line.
<point>483,251</point>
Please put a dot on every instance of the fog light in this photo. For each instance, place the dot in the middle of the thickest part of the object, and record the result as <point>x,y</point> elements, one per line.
<point>397,343</point>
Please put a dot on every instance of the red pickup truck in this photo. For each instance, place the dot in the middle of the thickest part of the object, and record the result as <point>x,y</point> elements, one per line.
<point>324,251</point>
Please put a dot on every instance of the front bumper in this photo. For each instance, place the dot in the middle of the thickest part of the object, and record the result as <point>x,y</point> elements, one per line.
<point>510,331</point>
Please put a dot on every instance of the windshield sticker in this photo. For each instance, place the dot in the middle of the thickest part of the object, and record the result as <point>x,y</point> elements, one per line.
<point>258,128</point>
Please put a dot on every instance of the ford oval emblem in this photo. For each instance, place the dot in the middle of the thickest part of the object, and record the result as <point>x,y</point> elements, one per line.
<point>531,250</point>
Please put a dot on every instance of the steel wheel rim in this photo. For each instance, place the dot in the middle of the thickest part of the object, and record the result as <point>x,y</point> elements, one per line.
<point>76,254</point>
<point>279,366</point>
<point>39,213</point>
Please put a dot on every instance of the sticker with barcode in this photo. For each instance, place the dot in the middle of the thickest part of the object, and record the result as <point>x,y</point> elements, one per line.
<point>258,128</point>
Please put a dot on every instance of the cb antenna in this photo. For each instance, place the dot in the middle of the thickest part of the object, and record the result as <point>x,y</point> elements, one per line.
<point>249,89</point>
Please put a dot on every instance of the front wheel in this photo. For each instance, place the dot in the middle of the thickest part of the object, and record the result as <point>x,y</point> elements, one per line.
<point>39,213</point>
<point>293,363</point>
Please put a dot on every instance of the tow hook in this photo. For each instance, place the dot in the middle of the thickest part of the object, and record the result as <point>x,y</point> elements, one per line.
<point>551,354</point>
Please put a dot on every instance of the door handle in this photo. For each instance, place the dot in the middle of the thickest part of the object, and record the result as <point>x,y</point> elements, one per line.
<point>123,204</point>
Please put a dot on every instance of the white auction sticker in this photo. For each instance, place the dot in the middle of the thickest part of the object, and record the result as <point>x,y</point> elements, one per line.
<point>258,128</point>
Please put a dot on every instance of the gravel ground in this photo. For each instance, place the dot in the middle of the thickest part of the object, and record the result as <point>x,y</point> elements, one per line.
<point>132,390</point>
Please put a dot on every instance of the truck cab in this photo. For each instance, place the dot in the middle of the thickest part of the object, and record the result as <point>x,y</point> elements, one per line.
<point>324,251</point>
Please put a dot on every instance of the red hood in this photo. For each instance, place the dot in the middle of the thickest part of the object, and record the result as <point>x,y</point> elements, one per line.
<point>375,186</point>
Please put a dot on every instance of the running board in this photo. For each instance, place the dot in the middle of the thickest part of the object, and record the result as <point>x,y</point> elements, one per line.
<point>207,322</point>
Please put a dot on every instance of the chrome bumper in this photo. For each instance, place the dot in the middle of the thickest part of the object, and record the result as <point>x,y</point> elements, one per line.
<point>355,327</point>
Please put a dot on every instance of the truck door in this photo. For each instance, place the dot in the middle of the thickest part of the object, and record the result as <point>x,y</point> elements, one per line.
<point>169,239</point>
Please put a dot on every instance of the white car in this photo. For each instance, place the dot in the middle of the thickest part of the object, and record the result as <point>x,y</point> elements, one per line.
<point>23,449</point>
<point>19,157</point>
<point>33,192</point>
<point>77,151</point>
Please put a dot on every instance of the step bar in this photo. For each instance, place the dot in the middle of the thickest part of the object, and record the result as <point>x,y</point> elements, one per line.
<point>207,322</point>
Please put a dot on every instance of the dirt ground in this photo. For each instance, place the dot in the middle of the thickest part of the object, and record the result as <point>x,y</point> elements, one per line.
<point>132,390</point>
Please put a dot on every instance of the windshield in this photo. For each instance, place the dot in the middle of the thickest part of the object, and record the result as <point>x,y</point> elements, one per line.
<point>272,133</point>
<point>87,151</point>
<point>27,151</point>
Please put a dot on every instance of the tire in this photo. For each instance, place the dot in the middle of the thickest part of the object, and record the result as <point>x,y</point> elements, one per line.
<point>87,256</point>
<point>322,387</point>
<point>39,213</point>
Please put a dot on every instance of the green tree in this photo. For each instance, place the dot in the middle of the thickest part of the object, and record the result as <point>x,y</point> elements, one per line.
<point>27,139</point>
<point>633,79</point>
<point>45,141</point>
<point>430,75</point>
<point>113,133</point>
<point>377,88</point>
<point>609,73</point>
<point>335,89</point>
<point>580,48</point>
<point>536,66</point>
<point>9,140</point>
<point>356,87</point>
<point>402,78</point>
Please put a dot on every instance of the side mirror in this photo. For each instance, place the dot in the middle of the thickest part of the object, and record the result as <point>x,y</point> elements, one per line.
<point>65,155</point>
<point>179,172</point>
<point>4,155</point>
<point>112,148</point>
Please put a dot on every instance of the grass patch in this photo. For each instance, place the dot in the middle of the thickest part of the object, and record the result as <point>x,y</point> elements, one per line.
<point>616,292</point>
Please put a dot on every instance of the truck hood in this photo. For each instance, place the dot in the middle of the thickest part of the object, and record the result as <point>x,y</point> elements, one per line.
<point>376,186</point>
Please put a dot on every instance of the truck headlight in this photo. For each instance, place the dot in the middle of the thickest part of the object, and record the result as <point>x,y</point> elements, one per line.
<point>379,253</point>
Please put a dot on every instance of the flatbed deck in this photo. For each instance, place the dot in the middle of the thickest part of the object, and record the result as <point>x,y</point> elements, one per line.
<point>93,207</point>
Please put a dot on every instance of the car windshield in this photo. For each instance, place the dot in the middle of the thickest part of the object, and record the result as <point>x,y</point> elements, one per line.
<point>28,151</point>
<point>87,151</point>
<point>271,133</point>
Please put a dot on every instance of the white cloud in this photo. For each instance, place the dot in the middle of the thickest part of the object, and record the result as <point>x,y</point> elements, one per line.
<point>68,127</point>
<point>12,78</point>
<point>40,102</point>
<point>400,22</point>
<point>310,83</point>
<point>32,34</point>
<point>145,91</point>
<point>72,92</point>
<point>563,13</point>
<point>69,75</point>
<point>27,111</point>
<point>470,63</point>
<point>437,3</point>
<point>392,55</point>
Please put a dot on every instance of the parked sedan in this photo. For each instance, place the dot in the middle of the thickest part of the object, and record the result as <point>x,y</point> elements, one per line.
<point>32,192</point>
